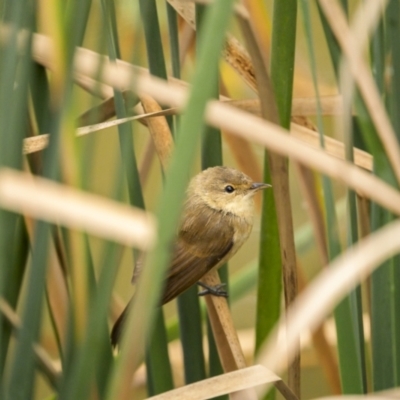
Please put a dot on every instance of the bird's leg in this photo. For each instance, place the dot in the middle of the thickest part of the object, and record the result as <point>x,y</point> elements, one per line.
<point>214,290</point>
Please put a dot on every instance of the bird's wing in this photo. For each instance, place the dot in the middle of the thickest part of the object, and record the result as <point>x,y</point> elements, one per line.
<point>203,241</point>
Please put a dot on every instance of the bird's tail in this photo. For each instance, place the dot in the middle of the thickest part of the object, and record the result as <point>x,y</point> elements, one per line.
<point>117,329</point>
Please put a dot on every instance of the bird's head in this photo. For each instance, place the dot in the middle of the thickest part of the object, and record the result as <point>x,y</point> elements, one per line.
<point>226,189</point>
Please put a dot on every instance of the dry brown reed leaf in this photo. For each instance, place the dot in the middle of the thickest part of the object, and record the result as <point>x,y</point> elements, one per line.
<point>97,114</point>
<point>106,110</point>
<point>307,106</point>
<point>332,146</point>
<point>56,203</point>
<point>147,159</point>
<point>327,359</point>
<point>364,216</point>
<point>316,302</point>
<point>186,41</point>
<point>362,75</point>
<point>45,362</point>
<point>93,87</point>
<point>40,142</point>
<point>311,136</point>
<point>223,384</point>
<point>225,335</point>
<point>236,56</point>
<point>35,143</point>
<point>301,106</point>
<point>159,130</point>
<point>186,10</point>
<point>84,130</point>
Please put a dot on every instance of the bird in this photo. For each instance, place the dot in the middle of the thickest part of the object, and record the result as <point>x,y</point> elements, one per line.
<point>217,219</point>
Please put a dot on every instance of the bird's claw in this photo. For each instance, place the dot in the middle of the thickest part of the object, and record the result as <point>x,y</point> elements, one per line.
<point>213,290</point>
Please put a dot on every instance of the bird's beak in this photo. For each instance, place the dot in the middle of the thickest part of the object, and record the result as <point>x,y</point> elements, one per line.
<point>259,186</point>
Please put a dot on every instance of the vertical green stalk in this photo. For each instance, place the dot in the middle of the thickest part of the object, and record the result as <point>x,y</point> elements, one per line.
<point>188,303</point>
<point>382,319</point>
<point>282,57</point>
<point>13,112</point>
<point>155,53</point>
<point>174,40</point>
<point>190,328</point>
<point>270,262</point>
<point>355,298</point>
<point>385,287</point>
<point>124,130</point>
<point>158,366</point>
<point>348,312</point>
<point>211,156</point>
<point>96,344</point>
<point>15,75</point>
<point>13,276</point>
<point>393,32</point>
<point>269,273</point>
<point>355,295</point>
<point>190,321</point>
<point>157,353</point>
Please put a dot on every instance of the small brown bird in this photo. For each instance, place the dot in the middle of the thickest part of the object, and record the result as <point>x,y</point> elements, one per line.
<point>217,219</point>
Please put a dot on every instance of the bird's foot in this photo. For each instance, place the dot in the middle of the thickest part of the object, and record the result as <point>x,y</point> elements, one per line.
<point>214,290</point>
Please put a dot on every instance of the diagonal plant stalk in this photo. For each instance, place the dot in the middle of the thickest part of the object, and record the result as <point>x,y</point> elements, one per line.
<point>139,323</point>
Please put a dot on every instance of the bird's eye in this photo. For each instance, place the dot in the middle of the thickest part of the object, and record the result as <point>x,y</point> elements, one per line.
<point>229,189</point>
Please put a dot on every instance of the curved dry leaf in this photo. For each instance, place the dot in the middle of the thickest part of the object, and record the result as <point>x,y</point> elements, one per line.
<point>222,384</point>
<point>53,202</point>
<point>326,290</point>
